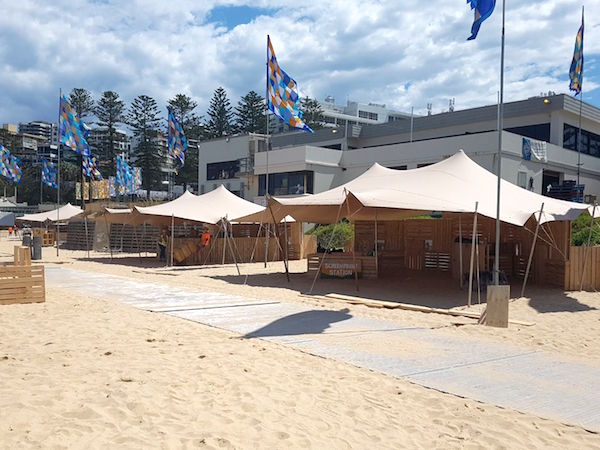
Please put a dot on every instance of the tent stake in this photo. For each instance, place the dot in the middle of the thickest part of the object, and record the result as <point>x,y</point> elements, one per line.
<point>473,237</point>
<point>537,228</point>
<point>585,254</point>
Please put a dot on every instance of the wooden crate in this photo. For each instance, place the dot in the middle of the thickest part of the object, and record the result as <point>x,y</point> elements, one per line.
<point>22,284</point>
<point>22,256</point>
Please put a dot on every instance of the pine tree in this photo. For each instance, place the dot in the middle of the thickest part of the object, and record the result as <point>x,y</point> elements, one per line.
<point>250,114</point>
<point>219,115</point>
<point>82,102</point>
<point>110,111</point>
<point>312,113</point>
<point>144,119</point>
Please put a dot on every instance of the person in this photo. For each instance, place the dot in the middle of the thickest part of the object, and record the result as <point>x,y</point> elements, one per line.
<point>205,238</point>
<point>10,231</point>
<point>162,245</point>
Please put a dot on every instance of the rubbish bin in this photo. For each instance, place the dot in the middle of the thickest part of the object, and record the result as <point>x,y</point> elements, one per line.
<point>36,252</point>
<point>26,240</point>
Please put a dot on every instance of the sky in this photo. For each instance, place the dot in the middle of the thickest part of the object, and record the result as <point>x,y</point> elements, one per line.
<point>404,54</point>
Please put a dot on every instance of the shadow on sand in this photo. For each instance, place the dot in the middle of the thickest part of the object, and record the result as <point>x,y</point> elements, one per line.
<point>545,300</point>
<point>307,322</point>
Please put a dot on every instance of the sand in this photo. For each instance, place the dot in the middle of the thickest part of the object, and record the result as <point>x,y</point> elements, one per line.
<point>91,372</point>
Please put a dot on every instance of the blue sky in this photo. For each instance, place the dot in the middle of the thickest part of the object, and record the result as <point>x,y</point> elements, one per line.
<point>403,54</point>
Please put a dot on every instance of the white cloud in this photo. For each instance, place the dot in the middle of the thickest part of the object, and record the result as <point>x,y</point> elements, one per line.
<point>402,54</point>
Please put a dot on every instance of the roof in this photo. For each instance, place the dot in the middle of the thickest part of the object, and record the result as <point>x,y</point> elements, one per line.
<point>456,184</point>
<point>63,213</point>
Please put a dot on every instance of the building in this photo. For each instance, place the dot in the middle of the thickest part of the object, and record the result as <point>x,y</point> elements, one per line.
<point>300,162</point>
<point>46,130</point>
<point>98,140</point>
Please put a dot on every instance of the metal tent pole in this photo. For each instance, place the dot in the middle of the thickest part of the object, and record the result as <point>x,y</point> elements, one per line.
<point>537,228</point>
<point>172,236</point>
<point>353,244</point>
<point>473,237</point>
<point>585,254</point>
<point>460,252</point>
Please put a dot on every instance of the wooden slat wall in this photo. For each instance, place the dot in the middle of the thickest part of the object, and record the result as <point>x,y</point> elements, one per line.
<point>22,284</point>
<point>591,276</point>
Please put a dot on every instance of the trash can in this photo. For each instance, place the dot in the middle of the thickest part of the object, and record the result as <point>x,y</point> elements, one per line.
<point>26,240</point>
<point>36,251</point>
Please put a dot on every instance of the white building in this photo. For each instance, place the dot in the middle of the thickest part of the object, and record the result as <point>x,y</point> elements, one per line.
<point>46,130</point>
<point>300,162</point>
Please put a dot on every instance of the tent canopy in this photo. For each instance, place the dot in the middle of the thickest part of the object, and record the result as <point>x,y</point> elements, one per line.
<point>207,208</point>
<point>453,185</point>
<point>63,213</point>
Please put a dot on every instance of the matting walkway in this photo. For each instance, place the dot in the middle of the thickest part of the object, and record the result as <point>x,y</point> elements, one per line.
<point>544,384</point>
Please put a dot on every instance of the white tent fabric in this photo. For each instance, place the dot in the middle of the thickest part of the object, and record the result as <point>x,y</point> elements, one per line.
<point>122,215</point>
<point>453,185</point>
<point>63,213</point>
<point>207,208</point>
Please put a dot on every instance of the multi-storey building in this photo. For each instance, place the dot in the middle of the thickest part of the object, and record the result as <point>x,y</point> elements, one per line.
<point>46,130</point>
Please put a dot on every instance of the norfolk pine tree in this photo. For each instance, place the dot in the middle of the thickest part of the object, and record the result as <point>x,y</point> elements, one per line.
<point>110,111</point>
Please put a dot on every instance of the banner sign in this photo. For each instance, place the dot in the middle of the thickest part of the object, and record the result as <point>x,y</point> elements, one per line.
<point>340,269</point>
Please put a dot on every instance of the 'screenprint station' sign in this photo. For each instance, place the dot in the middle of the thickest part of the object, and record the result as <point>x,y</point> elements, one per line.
<point>340,269</point>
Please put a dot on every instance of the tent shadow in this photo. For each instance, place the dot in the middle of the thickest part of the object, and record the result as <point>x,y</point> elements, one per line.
<point>306,322</point>
<point>545,300</point>
<point>127,261</point>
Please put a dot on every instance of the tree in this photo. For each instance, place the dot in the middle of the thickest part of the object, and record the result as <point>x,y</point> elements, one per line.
<point>580,230</point>
<point>144,119</point>
<point>110,111</point>
<point>312,113</point>
<point>82,102</point>
<point>183,109</point>
<point>250,114</point>
<point>219,114</point>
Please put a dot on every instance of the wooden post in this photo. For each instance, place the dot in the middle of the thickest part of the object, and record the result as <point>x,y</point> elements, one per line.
<point>473,237</point>
<point>537,228</point>
<point>353,243</point>
<point>585,253</point>
<point>172,236</point>
<point>108,232</point>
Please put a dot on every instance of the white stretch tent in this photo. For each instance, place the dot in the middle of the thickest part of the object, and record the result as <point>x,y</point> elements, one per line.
<point>207,208</point>
<point>63,213</point>
<point>452,185</point>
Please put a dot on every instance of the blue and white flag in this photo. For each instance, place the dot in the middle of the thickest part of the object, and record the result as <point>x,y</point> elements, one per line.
<point>576,70</point>
<point>483,10</point>
<point>49,174</point>
<point>177,141</point>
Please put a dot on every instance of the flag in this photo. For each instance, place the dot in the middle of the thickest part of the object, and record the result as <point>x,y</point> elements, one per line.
<point>282,95</point>
<point>177,140</point>
<point>125,177</point>
<point>72,131</point>
<point>9,166</point>
<point>49,173</point>
<point>483,10</point>
<point>576,70</point>
<point>90,167</point>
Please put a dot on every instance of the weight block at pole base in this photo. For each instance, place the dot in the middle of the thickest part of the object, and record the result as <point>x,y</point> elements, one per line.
<point>496,312</point>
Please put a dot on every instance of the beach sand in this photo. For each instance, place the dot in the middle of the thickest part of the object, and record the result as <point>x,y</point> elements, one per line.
<point>91,372</point>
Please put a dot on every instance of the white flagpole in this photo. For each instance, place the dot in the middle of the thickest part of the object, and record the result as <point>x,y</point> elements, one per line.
<point>500,127</point>
<point>58,177</point>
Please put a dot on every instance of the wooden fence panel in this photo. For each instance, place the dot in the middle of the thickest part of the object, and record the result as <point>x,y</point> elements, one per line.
<point>22,284</point>
<point>575,267</point>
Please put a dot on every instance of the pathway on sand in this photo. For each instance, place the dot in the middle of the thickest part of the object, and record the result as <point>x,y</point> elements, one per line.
<point>536,382</point>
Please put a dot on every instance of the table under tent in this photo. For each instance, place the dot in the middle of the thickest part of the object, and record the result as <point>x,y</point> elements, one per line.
<point>394,230</point>
<point>188,216</point>
<point>47,224</point>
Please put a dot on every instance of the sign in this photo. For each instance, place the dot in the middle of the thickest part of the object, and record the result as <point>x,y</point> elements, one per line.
<point>537,149</point>
<point>340,269</point>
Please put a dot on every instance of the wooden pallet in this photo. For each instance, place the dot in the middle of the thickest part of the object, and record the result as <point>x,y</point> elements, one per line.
<point>22,284</point>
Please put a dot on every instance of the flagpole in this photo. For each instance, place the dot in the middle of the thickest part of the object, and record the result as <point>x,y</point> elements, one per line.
<point>500,127</point>
<point>267,121</point>
<point>58,177</point>
<point>579,134</point>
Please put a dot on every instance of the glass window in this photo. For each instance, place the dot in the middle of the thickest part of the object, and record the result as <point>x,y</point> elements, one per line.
<point>222,170</point>
<point>287,183</point>
<point>590,142</point>
<point>541,131</point>
<point>522,179</point>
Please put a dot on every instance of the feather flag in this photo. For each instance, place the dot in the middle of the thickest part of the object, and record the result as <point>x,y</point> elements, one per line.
<point>72,131</point>
<point>9,165</point>
<point>177,141</point>
<point>483,10</point>
<point>126,178</point>
<point>576,70</point>
<point>49,174</point>
<point>90,167</point>
<point>282,96</point>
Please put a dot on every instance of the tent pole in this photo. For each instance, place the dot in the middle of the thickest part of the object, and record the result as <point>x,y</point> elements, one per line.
<point>376,250</point>
<point>285,236</point>
<point>108,232</point>
<point>225,231</point>
<point>235,247</point>
<point>87,242</point>
<point>473,237</point>
<point>585,254</point>
<point>285,263</point>
<point>478,271</point>
<point>267,232</point>
<point>137,239</point>
<point>325,253</point>
<point>460,252</point>
<point>537,228</point>
<point>230,247</point>
<point>353,251</point>
<point>144,239</point>
<point>254,249</point>
<point>172,236</point>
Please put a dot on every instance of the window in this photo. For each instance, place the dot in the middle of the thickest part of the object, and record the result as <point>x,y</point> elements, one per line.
<point>403,167</point>
<point>367,115</point>
<point>522,179</point>
<point>541,131</point>
<point>590,142</point>
<point>423,165</point>
<point>222,170</point>
<point>287,183</point>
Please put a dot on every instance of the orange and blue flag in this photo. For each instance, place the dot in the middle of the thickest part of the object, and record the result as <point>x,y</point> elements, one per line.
<point>282,93</point>
<point>483,10</point>
<point>177,141</point>
<point>576,70</point>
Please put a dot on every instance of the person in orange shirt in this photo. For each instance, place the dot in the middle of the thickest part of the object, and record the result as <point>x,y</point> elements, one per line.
<point>205,238</point>
<point>10,231</point>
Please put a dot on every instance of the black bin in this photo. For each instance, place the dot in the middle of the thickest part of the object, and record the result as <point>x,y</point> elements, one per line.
<point>26,240</point>
<point>36,250</point>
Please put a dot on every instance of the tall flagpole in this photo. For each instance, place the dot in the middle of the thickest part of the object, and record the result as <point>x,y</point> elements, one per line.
<point>58,176</point>
<point>500,127</point>
<point>267,121</point>
<point>580,108</point>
